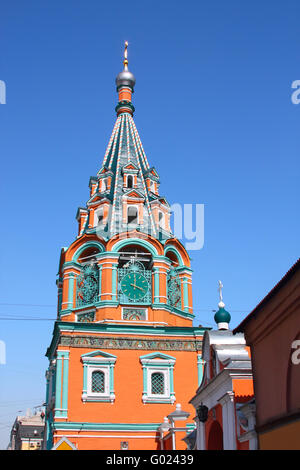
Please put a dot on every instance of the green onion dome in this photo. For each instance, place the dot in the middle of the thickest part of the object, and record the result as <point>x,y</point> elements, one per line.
<point>222,316</point>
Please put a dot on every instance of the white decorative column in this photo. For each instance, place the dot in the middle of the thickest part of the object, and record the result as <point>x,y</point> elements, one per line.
<point>200,438</point>
<point>229,423</point>
<point>249,411</point>
<point>200,367</point>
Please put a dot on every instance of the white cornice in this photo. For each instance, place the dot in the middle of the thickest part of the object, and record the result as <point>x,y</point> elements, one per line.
<point>213,391</point>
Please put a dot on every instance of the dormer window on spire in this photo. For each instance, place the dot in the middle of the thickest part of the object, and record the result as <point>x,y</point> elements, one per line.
<point>132,215</point>
<point>101,214</point>
<point>103,185</point>
<point>130,172</point>
<point>100,217</point>
<point>129,181</point>
<point>161,220</point>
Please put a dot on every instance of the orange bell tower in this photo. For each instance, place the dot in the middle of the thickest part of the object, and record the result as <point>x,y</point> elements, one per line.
<point>124,350</point>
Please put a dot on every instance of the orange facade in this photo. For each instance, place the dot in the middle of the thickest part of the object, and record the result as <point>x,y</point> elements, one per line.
<point>128,407</point>
<point>124,350</point>
<point>127,412</point>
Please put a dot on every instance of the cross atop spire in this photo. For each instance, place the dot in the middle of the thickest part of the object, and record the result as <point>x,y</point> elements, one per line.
<point>221,303</point>
<point>125,62</point>
<point>222,317</point>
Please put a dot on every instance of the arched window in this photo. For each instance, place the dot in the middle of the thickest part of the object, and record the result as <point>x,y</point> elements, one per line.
<point>98,382</point>
<point>129,181</point>
<point>157,383</point>
<point>215,437</point>
<point>132,215</point>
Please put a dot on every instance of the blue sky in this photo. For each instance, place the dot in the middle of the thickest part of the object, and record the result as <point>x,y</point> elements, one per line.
<point>214,112</point>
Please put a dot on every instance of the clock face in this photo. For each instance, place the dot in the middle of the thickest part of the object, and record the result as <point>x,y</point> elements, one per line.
<point>135,286</point>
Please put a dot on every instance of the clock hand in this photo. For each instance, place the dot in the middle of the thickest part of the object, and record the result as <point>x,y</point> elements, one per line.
<point>143,290</point>
<point>137,287</point>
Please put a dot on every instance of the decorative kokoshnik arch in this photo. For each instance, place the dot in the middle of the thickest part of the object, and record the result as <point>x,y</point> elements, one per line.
<point>174,250</point>
<point>153,246</point>
<point>85,246</point>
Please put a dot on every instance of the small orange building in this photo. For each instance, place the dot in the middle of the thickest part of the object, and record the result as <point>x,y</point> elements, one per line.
<point>272,330</point>
<point>124,350</point>
<point>224,402</point>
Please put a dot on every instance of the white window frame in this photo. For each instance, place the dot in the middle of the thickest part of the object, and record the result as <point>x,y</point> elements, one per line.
<point>105,363</point>
<point>164,364</point>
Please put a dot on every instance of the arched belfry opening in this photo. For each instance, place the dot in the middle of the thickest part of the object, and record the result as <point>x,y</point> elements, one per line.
<point>87,281</point>
<point>135,275</point>
<point>173,281</point>
<point>139,253</point>
<point>88,256</point>
<point>172,257</point>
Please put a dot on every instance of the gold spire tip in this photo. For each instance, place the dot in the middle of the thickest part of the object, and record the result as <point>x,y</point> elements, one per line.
<point>125,62</point>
